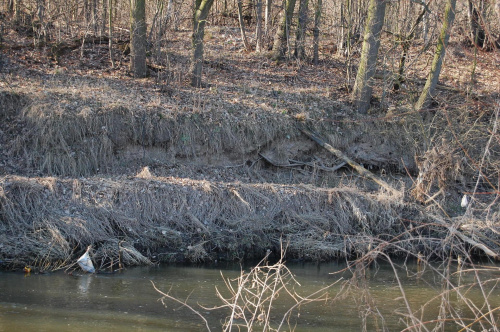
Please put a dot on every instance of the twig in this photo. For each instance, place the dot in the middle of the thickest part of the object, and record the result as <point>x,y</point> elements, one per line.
<point>182,303</point>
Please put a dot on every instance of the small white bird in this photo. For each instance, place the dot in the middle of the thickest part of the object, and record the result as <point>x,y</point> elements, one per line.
<point>465,201</point>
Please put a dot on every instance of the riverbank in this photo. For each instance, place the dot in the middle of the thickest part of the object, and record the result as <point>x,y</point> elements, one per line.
<point>153,170</point>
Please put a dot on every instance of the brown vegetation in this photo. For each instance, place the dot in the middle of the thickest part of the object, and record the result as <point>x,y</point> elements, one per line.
<point>228,172</point>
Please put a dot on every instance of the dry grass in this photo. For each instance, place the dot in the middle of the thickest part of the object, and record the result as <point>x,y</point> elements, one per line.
<point>206,190</point>
<point>165,216</point>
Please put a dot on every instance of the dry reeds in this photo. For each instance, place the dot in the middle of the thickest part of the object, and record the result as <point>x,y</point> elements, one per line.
<point>203,219</point>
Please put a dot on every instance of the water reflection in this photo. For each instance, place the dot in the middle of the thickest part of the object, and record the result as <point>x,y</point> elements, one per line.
<point>127,300</point>
<point>84,284</point>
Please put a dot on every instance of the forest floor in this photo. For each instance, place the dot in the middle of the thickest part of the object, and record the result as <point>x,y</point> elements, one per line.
<point>150,170</point>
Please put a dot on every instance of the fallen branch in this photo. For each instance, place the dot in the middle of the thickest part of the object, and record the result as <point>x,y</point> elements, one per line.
<point>454,231</point>
<point>297,163</point>
<point>339,154</point>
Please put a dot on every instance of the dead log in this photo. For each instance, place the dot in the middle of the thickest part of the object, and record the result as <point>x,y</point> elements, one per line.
<point>339,154</point>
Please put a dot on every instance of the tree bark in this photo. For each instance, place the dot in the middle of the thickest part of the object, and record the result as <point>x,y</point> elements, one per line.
<point>477,34</point>
<point>281,37</point>
<point>200,15</point>
<point>104,16</point>
<point>363,85</point>
<point>17,10</point>
<point>258,28</point>
<point>267,16</point>
<point>433,77</point>
<point>138,38</point>
<point>317,21</point>
<point>242,26</point>
<point>497,9</point>
<point>110,32</point>
<point>300,35</point>
<point>405,42</point>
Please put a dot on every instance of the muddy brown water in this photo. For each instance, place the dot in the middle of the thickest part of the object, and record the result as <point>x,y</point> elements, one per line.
<point>127,301</point>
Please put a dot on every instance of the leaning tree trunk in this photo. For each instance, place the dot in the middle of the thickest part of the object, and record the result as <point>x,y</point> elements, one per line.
<point>317,21</point>
<point>138,38</point>
<point>363,86</point>
<point>300,36</point>
<point>242,26</point>
<point>432,79</point>
<point>200,15</point>
<point>283,32</point>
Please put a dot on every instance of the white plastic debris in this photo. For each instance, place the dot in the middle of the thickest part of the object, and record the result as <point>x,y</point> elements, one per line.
<point>465,201</point>
<point>86,263</point>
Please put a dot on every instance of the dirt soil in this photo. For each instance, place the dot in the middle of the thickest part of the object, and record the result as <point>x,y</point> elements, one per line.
<point>153,170</point>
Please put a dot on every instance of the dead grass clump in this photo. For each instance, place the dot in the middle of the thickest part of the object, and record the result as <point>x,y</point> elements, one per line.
<point>11,104</point>
<point>439,167</point>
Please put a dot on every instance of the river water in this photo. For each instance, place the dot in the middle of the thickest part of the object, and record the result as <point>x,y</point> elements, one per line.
<point>127,301</point>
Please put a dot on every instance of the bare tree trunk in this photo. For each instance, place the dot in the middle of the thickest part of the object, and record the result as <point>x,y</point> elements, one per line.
<point>138,38</point>
<point>39,23</point>
<point>300,35</point>
<point>242,26</point>
<point>497,9</point>
<point>94,17</point>
<point>267,16</point>
<point>258,28</point>
<point>425,27</point>
<point>363,86</point>
<point>200,15</point>
<point>283,33</point>
<point>169,13</point>
<point>86,12</point>
<point>476,33</point>
<point>110,32</point>
<point>432,79</point>
<point>317,21</point>
<point>405,42</point>
<point>17,10</point>
<point>104,17</point>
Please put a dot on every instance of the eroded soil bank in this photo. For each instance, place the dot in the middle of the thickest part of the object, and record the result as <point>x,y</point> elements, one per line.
<point>146,171</point>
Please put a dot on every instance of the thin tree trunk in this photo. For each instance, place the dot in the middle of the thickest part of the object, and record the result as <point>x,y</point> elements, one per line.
<point>497,9</point>
<point>476,33</point>
<point>301,29</point>
<point>110,32</point>
<point>94,17</point>
<point>200,15</point>
<point>267,16</point>
<point>363,85</point>
<point>138,38</point>
<point>432,79</point>
<point>86,12</point>
<point>258,28</point>
<point>281,38</point>
<point>317,21</point>
<point>405,45</point>
<point>104,17</point>
<point>242,26</point>
<point>17,10</point>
